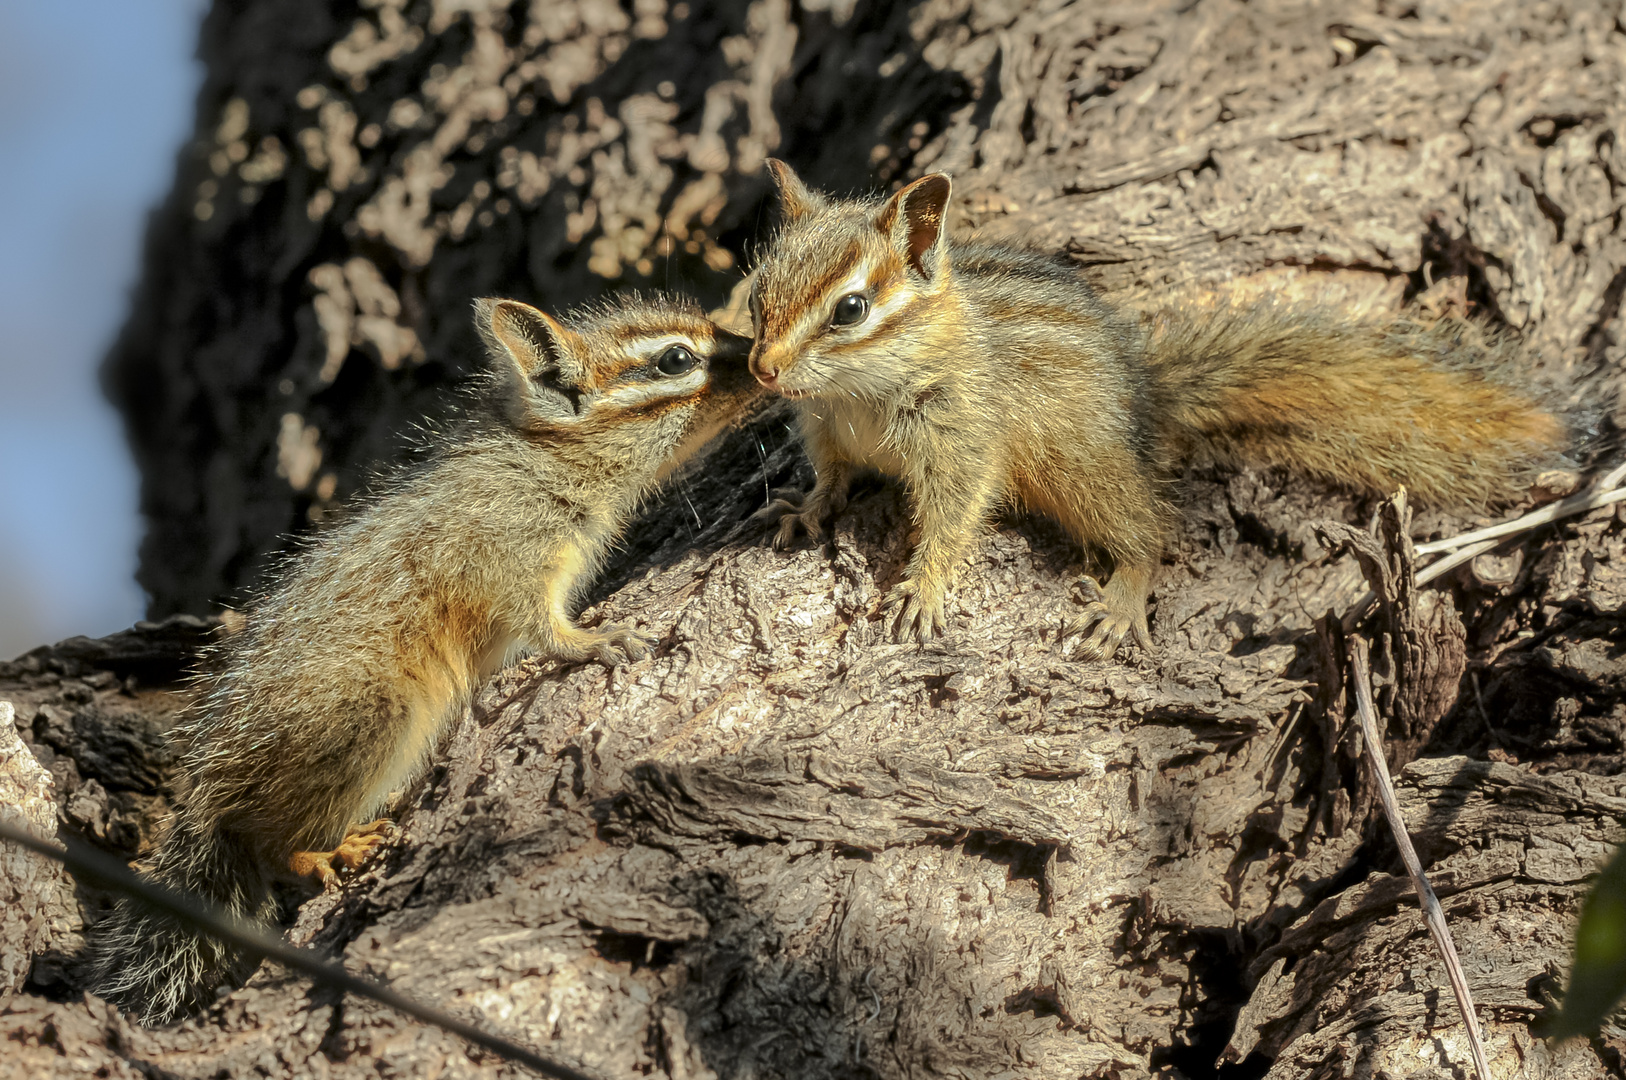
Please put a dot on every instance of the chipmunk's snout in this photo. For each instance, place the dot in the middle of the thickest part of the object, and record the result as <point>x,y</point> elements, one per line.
<point>767,364</point>
<point>767,376</point>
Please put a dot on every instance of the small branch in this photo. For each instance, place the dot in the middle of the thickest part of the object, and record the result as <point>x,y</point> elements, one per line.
<point>1433,913</point>
<point>1467,546</point>
<point>1575,504</point>
<point>1456,559</point>
<point>85,862</point>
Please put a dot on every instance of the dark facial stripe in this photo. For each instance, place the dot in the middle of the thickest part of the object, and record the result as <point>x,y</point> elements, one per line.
<point>699,332</point>
<point>1049,314</point>
<point>893,326</point>
<point>838,271</point>
<point>592,427</point>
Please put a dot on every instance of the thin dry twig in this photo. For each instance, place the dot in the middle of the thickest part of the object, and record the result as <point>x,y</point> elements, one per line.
<point>84,862</point>
<point>1602,493</point>
<point>1468,546</point>
<point>1433,913</point>
<point>1575,504</point>
<point>1456,559</point>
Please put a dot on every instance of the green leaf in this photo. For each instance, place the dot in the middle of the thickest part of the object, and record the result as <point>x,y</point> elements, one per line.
<point>1598,979</point>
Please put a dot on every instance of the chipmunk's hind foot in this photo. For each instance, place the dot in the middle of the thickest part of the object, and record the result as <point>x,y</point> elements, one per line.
<point>359,842</point>
<point>614,645</point>
<point>611,645</point>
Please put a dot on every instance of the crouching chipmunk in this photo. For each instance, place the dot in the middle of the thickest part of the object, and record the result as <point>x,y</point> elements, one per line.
<point>984,375</point>
<point>340,683</point>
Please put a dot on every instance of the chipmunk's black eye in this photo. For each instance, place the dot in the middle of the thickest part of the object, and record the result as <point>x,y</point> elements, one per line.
<point>850,310</point>
<point>675,361</point>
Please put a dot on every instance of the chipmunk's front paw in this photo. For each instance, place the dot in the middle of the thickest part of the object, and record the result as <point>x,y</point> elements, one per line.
<point>358,843</point>
<point>915,613</point>
<point>614,645</point>
<point>1102,633</point>
<point>790,511</point>
<point>1101,627</point>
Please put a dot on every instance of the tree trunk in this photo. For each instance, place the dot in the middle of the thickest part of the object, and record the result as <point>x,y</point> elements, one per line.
<point>782,847</point>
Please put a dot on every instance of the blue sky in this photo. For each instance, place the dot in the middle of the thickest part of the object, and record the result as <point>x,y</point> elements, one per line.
<point>96,97</point>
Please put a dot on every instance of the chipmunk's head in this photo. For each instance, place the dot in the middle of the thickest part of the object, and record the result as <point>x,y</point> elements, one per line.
<point>844,280</point>
<point>651,369</point>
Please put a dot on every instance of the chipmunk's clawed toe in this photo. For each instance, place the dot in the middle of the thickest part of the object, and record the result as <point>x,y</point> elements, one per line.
<point>788,511</point>
<point>1101,626</point>
<point>359,842</point>
<point>617,645</point>
<point>611,645</point>
<point>915,614</point>
<point>1094,635</point>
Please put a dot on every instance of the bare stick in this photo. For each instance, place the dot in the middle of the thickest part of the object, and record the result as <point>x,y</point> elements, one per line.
<point>1469,545</point>
<point>1456,559</point>
<point>86,862</point>
<point>1575,504</point>
<point>1433,913</point>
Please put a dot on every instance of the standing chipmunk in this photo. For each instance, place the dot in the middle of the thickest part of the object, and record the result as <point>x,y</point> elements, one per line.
<point>339,685</point>
<point>984,375</point>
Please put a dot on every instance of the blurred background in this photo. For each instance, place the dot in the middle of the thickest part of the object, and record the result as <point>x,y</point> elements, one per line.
<point>96,97</point>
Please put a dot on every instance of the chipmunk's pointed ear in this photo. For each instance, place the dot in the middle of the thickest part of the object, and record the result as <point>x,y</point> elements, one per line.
<point>913,218</point>
<point>796,199</point>
<point>518,334</point>
<point>533,350</point>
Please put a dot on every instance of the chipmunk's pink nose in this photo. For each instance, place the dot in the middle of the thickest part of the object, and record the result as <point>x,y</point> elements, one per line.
<point>765,369</point>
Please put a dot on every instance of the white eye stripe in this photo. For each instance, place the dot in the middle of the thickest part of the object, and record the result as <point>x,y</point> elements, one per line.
<point>650,347</point>
<point>877,313</point>
<point>818,317</point>
<point>858,282</point>
<point>876,317</point>
<point>625,397</point>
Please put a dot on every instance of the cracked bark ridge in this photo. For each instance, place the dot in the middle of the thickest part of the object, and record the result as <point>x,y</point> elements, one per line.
<point>783,847</point>
<point>1357,983</point>
<point>88,718</point>
<point>36,898</point>
<point>1420,656</point>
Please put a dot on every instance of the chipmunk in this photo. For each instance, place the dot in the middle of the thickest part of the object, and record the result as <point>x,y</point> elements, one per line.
<point>984,375</point>
<point>340,683</point>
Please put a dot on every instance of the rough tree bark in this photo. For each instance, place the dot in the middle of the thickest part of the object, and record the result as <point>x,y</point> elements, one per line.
<point>781,846</point>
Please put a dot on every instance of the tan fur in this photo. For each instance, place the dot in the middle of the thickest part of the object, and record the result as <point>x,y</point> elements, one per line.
<point>984,375</point>
<point>340,684</point>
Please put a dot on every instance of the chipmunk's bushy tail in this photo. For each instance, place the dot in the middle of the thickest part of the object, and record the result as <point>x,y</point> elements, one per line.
<point>155,965</point>
<point>1365,404</point>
